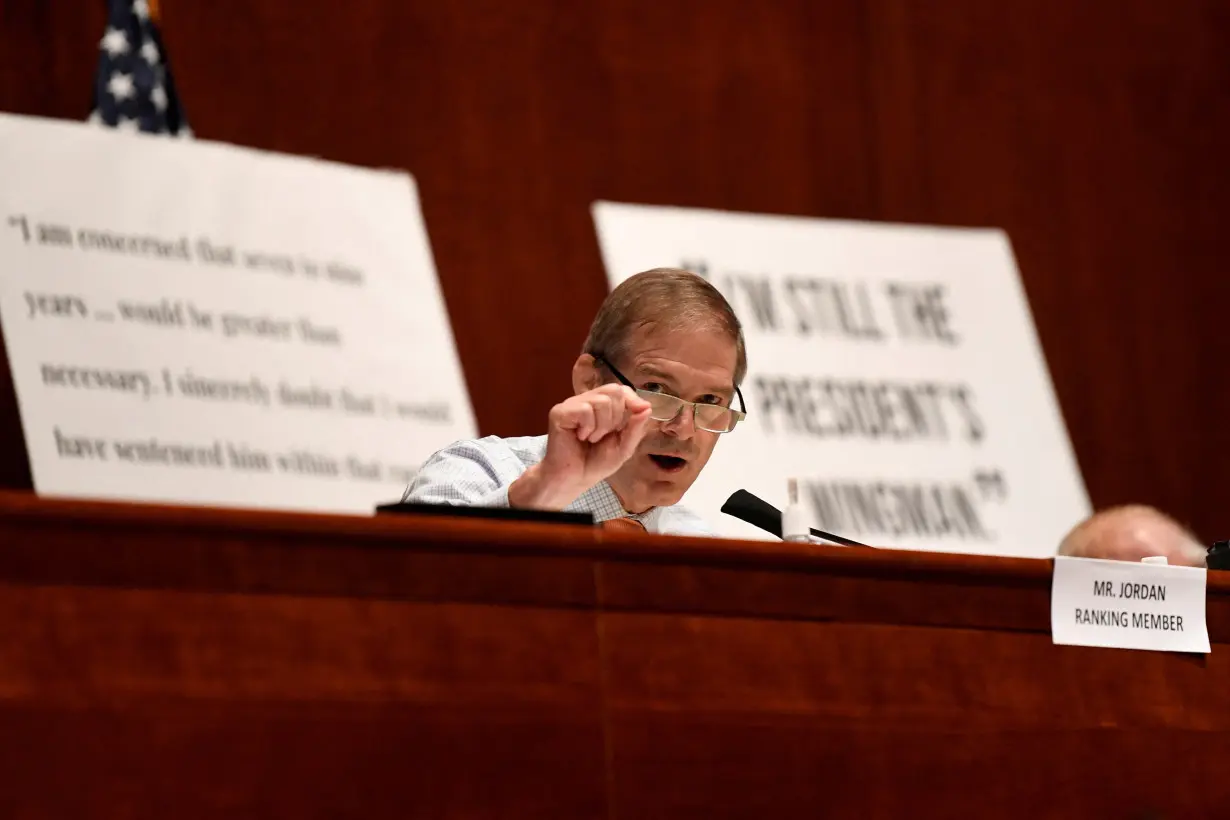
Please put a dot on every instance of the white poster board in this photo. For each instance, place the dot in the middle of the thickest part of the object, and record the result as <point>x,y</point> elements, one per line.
<point>894,370</point>
<point>193,322</point>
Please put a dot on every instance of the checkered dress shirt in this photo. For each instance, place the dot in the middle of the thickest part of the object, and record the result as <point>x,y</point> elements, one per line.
<point>478,472</point>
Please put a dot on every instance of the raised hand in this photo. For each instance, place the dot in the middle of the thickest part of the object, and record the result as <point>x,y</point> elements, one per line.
<point>589,437</point>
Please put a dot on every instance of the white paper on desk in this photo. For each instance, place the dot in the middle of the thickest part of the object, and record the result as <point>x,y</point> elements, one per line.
<point>1129,605</point>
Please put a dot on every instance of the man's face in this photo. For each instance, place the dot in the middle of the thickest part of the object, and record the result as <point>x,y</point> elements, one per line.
<point>694,365</point>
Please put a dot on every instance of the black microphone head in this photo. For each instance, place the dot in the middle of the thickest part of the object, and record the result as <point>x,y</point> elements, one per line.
<point>760,513</point>
<point>755,511</point>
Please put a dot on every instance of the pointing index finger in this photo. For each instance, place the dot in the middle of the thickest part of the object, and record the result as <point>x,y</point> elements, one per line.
<point>633,402</point>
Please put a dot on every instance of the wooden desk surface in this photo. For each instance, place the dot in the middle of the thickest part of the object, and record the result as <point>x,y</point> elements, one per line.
<point>185,662</point>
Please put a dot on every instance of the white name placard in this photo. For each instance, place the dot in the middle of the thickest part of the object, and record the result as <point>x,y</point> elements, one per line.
<point>893,369</point>
<point>193,322</point>
<point>1127,605</point>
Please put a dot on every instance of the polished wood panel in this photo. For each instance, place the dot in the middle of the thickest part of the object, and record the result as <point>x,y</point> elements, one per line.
<point>160,661</point>
<point>182,663</point>
<point>1088,131</point>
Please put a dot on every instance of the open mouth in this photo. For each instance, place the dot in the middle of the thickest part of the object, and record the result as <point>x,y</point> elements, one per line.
<point>671,464</point>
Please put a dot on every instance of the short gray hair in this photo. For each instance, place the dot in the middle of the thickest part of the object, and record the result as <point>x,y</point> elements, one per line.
<point>662,295</point>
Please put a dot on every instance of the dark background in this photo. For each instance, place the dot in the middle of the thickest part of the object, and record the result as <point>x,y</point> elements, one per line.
<point>1093,131</point>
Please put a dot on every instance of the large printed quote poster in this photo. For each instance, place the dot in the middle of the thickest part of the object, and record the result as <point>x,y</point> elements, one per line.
<point>198,323</point>
<point>893,370</point>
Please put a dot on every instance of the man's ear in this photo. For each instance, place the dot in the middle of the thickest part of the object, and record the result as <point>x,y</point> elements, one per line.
<point>585,375</point>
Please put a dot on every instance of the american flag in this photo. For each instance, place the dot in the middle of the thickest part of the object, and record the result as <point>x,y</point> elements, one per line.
<point>133,89</point>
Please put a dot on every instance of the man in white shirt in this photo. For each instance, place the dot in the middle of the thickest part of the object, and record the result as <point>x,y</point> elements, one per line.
<point>655,386</point>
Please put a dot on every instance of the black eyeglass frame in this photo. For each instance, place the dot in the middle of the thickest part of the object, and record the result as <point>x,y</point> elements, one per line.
<point>739,415</point>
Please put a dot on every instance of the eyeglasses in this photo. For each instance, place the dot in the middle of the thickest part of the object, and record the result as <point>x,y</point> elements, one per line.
<point>713,418</point>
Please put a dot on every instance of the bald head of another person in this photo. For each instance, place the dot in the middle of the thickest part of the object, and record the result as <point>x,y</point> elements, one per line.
<point>1131,533</point>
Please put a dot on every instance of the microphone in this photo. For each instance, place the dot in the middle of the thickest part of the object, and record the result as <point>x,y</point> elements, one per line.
<point>760,513</point>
